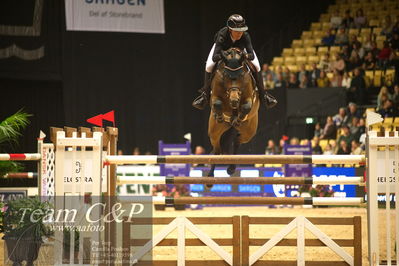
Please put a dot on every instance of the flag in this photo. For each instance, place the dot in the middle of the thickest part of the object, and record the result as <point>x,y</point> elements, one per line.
<point>110,116</point>
<point>96,120</point>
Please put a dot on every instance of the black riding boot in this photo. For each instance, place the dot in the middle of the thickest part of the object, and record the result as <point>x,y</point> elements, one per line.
<point>201,101</point>
<point>265,97</point>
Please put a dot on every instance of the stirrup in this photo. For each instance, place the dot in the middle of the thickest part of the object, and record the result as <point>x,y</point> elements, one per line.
<point>269,101</point>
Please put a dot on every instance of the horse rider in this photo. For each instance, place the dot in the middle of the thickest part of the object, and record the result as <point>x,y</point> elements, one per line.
<point>233,35</point>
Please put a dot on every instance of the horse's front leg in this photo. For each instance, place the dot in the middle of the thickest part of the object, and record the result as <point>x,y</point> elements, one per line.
<point>244,110</point>
<point>217,107</point>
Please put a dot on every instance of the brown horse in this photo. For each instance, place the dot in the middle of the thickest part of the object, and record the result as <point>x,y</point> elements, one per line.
<point>234,105</point>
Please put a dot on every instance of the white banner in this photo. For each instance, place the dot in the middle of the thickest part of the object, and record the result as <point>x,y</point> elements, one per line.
<point>145,16</point>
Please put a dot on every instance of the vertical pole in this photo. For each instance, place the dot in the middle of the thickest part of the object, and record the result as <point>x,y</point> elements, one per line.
<point>244,241</point>
<point>372,196</point>
<point>357,239</point>
<point>236,224</point>
<point>388,201</point>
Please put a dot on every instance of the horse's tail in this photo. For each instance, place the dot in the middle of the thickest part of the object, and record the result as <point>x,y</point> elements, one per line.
<point>227,141</point>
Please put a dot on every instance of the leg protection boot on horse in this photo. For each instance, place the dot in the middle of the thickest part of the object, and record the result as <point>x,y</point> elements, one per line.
<point>201,101</point>
<point>268,99</point>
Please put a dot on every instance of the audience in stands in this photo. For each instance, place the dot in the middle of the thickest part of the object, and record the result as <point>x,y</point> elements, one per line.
<point>369,61</point>
<point>269,82</point>
<point>329,38</point>
<point>388,109</point>
<point>384,56</point>
<point>348,21</point>
<point>358,91</point>
<point>329,131</point>
<point>341,38</point>
<point>292,81</point>
<point>383,95</point>
<point>323,81</point>
<point>271,148</point>
<point>318,131</point>
<point>346,80</point>
<point>360,19</point>
<point>341,118</point>
<point>314,74</point>
<point>336,20</point>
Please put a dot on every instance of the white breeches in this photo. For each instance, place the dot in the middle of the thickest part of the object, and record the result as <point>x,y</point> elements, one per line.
<point>210,64</point>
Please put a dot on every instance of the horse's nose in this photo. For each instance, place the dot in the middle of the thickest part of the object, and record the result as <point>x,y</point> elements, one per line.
<point>234,103</point>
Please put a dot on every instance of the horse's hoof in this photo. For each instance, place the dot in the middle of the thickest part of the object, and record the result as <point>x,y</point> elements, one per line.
<point>208,186</point>
<point>231,169</point>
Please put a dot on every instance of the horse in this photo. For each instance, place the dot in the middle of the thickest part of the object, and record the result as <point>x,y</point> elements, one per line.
<point>234,106</point>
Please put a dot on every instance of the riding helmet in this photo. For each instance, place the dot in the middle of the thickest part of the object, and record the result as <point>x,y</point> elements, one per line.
<point>237,23</point>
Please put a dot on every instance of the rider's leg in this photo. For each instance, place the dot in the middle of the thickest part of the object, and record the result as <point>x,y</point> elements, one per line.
<point>265,97</point>
<point>201,101</point>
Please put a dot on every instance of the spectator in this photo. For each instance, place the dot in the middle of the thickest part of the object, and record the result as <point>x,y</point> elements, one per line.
<point>355,148</point>
<point>345,136</point>
<point>357,48</point>
<point>292,82</point>
<point>395,41</point>
<point>314,75</point>
<point>329,131</point>
<point>383,95</point>
<point>266,71</point>
<point>343,148</point>
<point>199,150</point>
<point>323,81</point>
<point>353,41</point>
<point>374,49</point>
<point>318,131</point>
<point>316,148</point>
<point>341,118</point>
<point>120,152</point>
<point>328,150</point>
<point>329,38</point>
<point>395,28</point>
<point>335,20</point>
<point>387,26</point>
<point>369,62</point>
<point>136,151</point>
<point>362,128</point>
<point>302,72</point>
<point>367,44</point>
<point>384,55</point>
<point>395,96</point>
<point>347,22</point>
<point>358,91</point>
<point>353,111</point>
<point>304,82</point>
<point>334,146</point>
<point>346,81</point>
<point>294,141</point>
<point>387,109</point>
<point>324,63</point>
<point>271,148</point>
<point>354,61</point>
<point>345,53</point>
<point>354,127</point>
<point>279,82</point>
<point>341,38</point>
<point>269,82</point>
<point>338,64</point>
<point>360,19</point>
<point>282,144</point>
<point>336,80</point>
<point>286,73</point>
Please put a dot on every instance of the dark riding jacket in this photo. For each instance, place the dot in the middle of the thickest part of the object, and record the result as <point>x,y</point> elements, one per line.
<point>223,42</point>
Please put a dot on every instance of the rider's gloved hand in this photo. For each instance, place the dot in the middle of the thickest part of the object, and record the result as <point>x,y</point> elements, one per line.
<point>250,56</point>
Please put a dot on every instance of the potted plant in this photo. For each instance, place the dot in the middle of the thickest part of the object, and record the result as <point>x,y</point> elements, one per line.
<point>160,191</point>
<point>10,131</point>
<point>23,228</point>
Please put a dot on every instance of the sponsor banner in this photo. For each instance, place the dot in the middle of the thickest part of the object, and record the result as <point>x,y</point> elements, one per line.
<point>145,16</point>
<point>174,169</point>
<point>384,170</point>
